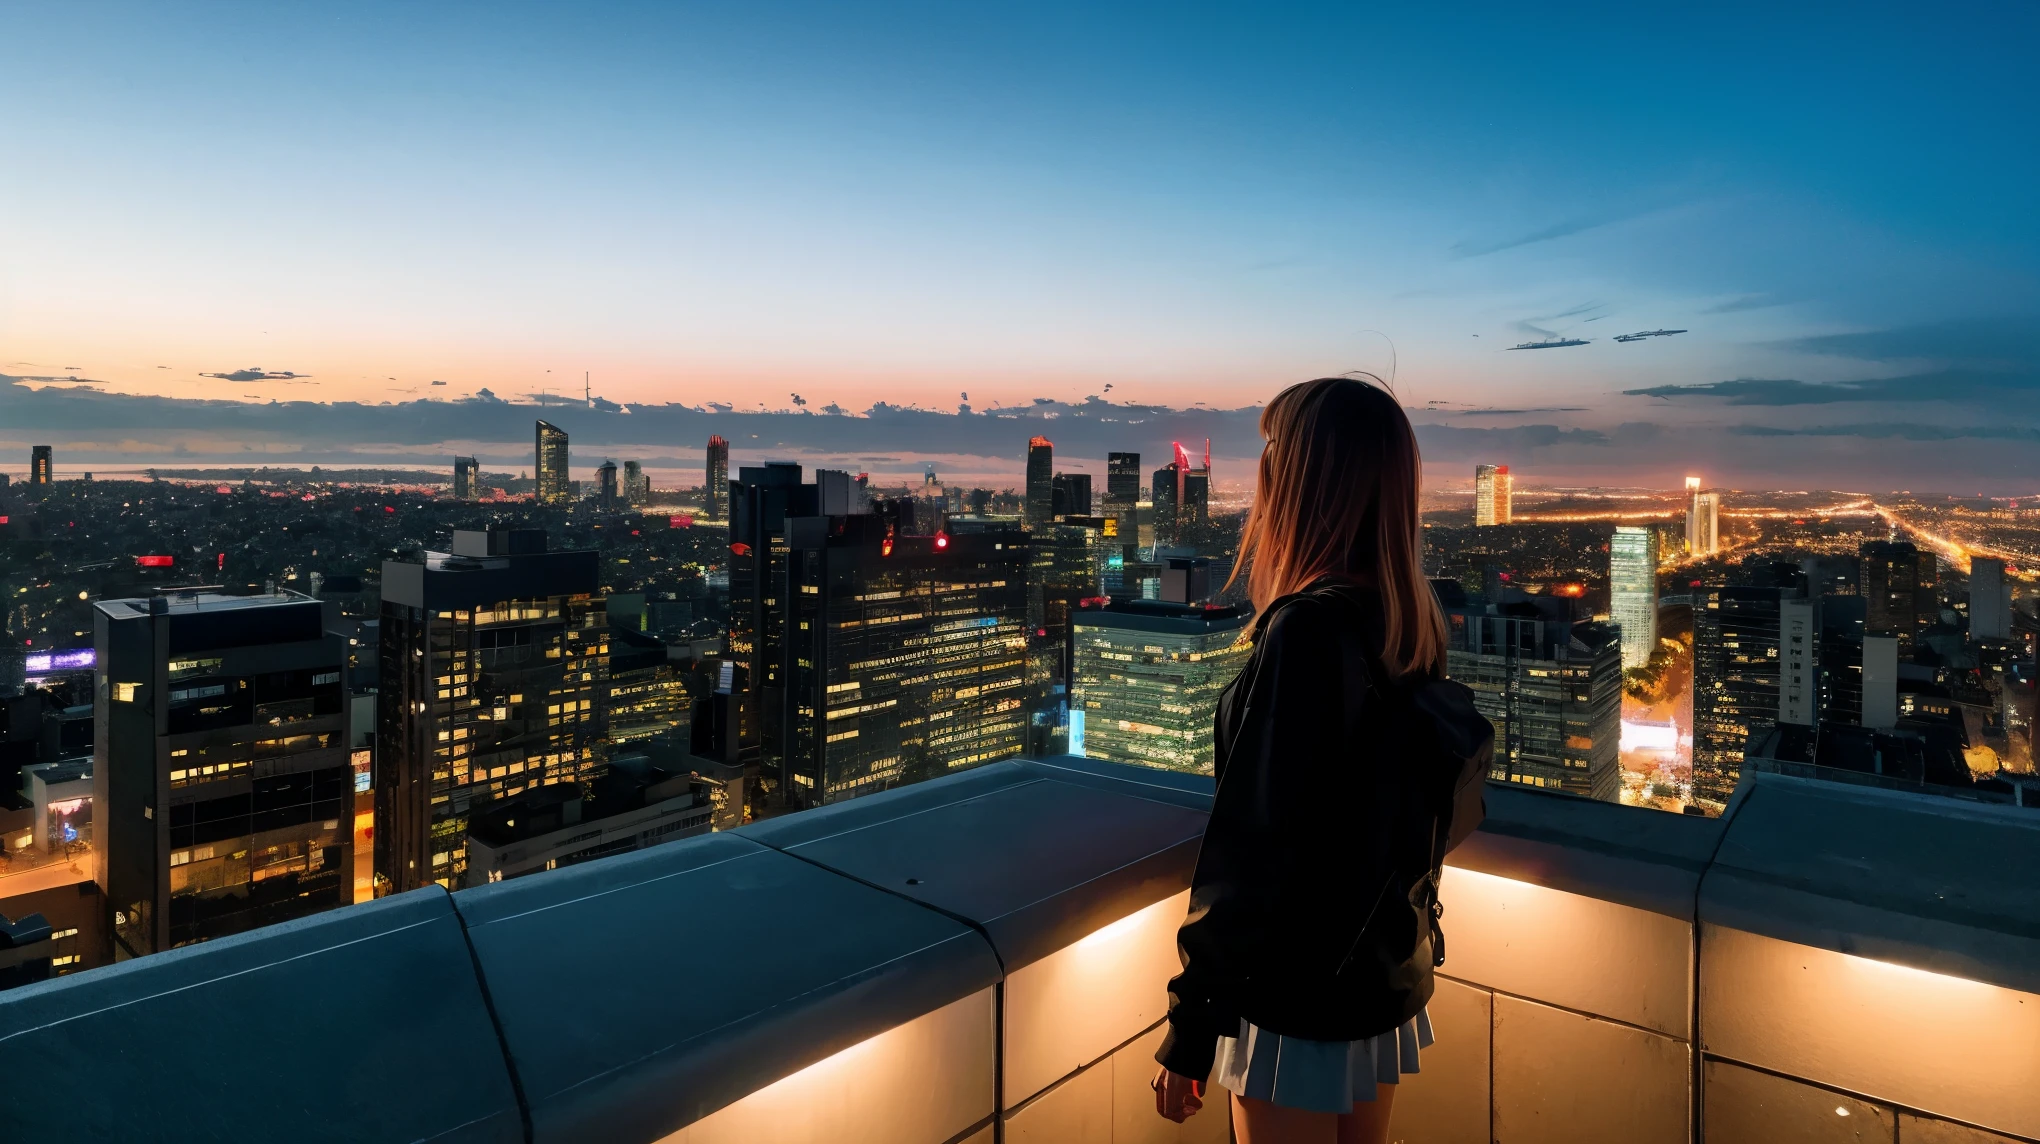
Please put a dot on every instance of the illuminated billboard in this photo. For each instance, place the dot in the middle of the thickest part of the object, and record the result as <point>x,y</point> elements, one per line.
<point>82,659</point>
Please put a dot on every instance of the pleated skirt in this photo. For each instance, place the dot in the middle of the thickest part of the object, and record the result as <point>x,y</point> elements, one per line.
<point>1318,1076</point>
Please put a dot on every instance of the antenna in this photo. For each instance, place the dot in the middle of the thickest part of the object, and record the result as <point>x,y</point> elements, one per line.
<point>586,399</point>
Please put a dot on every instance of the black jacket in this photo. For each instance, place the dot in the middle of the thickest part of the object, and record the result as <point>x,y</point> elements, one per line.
<point>1308,908</point>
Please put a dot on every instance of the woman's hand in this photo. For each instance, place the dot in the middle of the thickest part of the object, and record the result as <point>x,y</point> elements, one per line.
<point>1176,1096</point>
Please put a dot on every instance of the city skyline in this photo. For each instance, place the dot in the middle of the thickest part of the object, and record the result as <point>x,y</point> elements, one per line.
<point>857,222</point>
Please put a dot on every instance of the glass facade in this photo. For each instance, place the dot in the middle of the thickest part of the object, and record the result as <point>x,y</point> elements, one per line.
<point>1735,683</point>
<point>1551,687</point>
<point>553,484</point>
<point>1633,591</point>
<point>1147,676</point>
<point>906,655</point>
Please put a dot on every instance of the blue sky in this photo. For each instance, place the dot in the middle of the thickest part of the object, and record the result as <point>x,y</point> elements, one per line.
<point>872,202</point>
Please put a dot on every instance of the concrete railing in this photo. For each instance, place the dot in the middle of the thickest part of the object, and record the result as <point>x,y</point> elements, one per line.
<point>982,958</point>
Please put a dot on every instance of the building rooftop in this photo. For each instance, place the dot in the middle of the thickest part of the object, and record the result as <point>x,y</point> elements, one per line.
<point>198,603</point>
<point>984,956</point>
<point>1161,616</point>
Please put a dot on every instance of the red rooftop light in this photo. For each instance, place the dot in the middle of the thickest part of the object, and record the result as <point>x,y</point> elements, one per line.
<point>740,548</point>
<point>941,540</point>
<point>156,561</point>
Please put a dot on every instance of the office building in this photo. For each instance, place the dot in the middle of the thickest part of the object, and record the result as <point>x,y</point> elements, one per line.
<point>647,692</point>
<point>1040,482</point>
<point>1841,659</point>
<point>1493,495</point>
<point>1633,591</point>
<point>634,805</point>
<point>1122,501</point>
<point>467,479</point>
<point>716,493</point>
<point>905,655</point>
<point>1551,686</point>
<point>1146,678</point>
<point>41,467</point>
<point>1703,520</point>
<point>1880,681</point>
<point>494,666</point>
<point>1899,589</point>
<point>1736,662</point>
<point>762,499</point>
<point>553,484</point>
<point>220,778</point>
<point>1122,479</point>
<point>1167,500</point>
<point>1990,599</point>
<point>637,487</point>
<point>1071,493</point>
<point>607,493</point>
<point>1799,675</point>
<point>836,493</point>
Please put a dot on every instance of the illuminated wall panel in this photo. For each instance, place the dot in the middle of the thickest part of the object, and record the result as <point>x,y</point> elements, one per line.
<point>1579,952</point>
<point>1447,1103</point>
<point>1081,1002</point>
<point>1739,1104</point>
<point>1560,1078</point>
<point>1939,1044</point>
<point>923,1082</point>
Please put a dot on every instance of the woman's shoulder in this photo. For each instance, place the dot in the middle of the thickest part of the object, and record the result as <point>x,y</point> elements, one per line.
<point>1312,619</point>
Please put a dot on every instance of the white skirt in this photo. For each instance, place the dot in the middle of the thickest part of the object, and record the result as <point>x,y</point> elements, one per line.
<point>1318,1076</point>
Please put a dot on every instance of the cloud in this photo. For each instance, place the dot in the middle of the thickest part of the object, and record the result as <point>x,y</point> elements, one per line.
<point>1745,302</point>
<point>1895,430</point>
<point>256,373</point>
<point>1566,229</point>
<point>1948,386</point>
<point>2006,343</point>
<point>439,383</point>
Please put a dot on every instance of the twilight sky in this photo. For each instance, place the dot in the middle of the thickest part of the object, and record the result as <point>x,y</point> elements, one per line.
<point>738,203</point>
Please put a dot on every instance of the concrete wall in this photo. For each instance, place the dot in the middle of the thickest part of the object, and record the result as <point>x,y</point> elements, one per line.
<point>1820,965</point>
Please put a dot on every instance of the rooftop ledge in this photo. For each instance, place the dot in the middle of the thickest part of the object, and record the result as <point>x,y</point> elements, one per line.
<point>982,958</point>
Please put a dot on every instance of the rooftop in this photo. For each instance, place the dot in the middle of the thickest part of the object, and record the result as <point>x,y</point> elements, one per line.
<point>982,957</point>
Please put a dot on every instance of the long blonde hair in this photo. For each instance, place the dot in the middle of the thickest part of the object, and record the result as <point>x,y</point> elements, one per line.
<point>1337,500</point>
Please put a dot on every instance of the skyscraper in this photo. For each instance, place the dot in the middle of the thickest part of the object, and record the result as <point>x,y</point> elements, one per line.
<point>1040,482</point>
<point>493,662</point>
<point>1122,478</point>
<point>905,654</point>
<point>221,783</point>
<point>466,479</point>
<point>1633,592</point>
<point>762,499</point>
<point>1799,676</point>
<point>1736,659</point>
<point>718,486</point>
<point>553,484</point>
<point>1703,520</point>
<point>1990,599</point>
<point>637,487</point>
<point>1122,501</point>
<point>1899,588</point>
<point>1193,515</point>
<point>40,467</point>
<point>1168,499</point>
<point>1494,493</point>
<point>606,490</point>
<point>1146,679</point>
<point>1841,659</point>
<point>1072,494</point>
<point>1551,686</point>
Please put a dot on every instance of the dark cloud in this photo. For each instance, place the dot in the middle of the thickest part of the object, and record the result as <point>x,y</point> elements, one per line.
<point>257,373</point>
<point>1895,430</point>
<point>2009,343</point>
<point>1965,385</point>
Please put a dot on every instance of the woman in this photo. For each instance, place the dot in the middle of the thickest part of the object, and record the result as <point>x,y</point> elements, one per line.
<point>1311,937</point>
